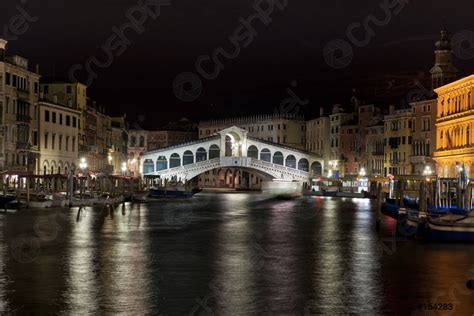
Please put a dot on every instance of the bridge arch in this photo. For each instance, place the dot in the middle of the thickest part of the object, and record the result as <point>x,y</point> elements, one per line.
<point>266,155</point>
<point>290,161</point>
<point>278,158</point>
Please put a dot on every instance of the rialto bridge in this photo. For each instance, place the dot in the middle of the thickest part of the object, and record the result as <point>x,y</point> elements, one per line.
<point>232,148</point>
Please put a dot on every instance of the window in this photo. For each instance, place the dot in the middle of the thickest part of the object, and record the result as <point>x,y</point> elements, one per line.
<point>46,89</point>
<point>68,120</point>
<point>60,142</point>
<point>60,118</point>
<point>53,140</point>
<point>46,140</point>
<point>67,143</point>
<point>8,79</point>
<point>68,90</point>
<point>35,138</point>
<point>36,87</point>
<point>54,117</point>
<point>74,120</point>
<point>46,116</point>
<point>73,144</point>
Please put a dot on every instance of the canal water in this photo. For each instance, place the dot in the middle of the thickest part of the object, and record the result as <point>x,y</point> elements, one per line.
<point>226,254</point>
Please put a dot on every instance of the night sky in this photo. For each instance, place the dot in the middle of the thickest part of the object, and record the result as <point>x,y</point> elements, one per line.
<point>289,52</point>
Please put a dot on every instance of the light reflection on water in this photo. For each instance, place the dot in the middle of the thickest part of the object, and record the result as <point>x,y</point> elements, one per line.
<point>227,254</point>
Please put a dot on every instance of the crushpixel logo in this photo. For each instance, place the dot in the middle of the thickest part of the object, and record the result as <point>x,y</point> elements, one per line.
<point>338,53</point>
<point>187,86</point>
<point>462,44</point>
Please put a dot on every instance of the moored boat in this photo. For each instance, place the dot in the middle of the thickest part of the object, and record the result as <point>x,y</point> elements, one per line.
<point>280,188</point>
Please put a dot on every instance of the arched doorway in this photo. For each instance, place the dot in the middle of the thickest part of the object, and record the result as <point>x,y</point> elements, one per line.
<point>233,145</point>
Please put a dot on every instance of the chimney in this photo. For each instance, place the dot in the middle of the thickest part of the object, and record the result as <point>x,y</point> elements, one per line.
<point>55,99</point>
<point>392,109</point>
<point>321,112</point>
<point>3,46</point>
<point>37,69</point>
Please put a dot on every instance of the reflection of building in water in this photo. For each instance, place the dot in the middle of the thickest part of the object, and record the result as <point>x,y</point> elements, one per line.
<point>287,130</point>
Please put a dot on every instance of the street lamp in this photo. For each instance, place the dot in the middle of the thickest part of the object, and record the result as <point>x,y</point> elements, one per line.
<point>362,172</point>
<point>124,167</point>
<point>427,171</point>
<point>83,164</point>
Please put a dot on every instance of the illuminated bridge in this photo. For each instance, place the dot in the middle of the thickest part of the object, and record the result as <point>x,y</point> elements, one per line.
<point>232,147</point>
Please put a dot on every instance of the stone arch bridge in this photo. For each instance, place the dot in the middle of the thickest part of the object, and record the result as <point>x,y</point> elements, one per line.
<point>232,147</point>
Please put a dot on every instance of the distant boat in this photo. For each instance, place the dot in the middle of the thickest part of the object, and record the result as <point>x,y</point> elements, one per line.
<point>280,188</point>
<point>172,190</point>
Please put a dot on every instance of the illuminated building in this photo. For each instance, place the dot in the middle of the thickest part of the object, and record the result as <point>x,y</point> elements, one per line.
<point>58,138</point>
<point>454,126</point>
<point>19,95</point>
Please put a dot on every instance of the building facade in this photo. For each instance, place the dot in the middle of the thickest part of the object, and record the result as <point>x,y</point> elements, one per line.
<point>58,138</point>
<point>374,150</point>
<point>19,96</point>
<point>137,146</point>
<point>317,136</point>
<point>454,128</point>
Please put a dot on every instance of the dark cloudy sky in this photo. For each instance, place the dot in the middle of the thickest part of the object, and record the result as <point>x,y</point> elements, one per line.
<point>289,49</point>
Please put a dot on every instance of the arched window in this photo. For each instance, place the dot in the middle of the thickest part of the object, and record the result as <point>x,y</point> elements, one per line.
<point>290,161</point>
<point>278,158</point>
<point>214,152</point>
<point>161,163</point>
<point>175,161</point>
<point>265,155</point>
<point>252,152</point>
<point>188,158</point>
<point>201,154</point>
<point>133,141</point>
<point>142,141</point>
<point>148,166</point>
<point>316,169</point>
<point>303,165</point>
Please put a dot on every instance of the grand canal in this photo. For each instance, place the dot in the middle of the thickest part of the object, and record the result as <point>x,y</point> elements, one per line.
<point>225,254</point>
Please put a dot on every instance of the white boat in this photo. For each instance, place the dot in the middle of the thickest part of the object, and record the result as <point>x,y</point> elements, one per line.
<point>48,201</point>
<point>280,188</point>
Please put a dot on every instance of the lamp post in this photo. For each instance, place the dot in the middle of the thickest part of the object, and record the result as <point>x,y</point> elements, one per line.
<point>83,167</point>
<point>124,168</point>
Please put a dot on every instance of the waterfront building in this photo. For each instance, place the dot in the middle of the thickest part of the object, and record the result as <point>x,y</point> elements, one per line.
<point>97,138</point>
<point>137,146</point>
<point>119,145</point>
<point>165,138</point>
<point>19,96</point>
<point>337,118</point>
<point>423,137</point>
<point>398,127</point>
<point>317,136</point>
<point>454,128</point>
<point>375,149</point>
<point>58,138</point>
